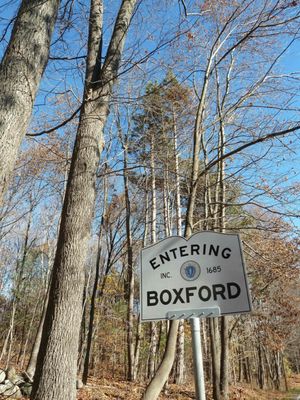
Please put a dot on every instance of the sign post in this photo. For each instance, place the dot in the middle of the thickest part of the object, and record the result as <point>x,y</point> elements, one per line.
<point>197,358</point>
<point>203,276</point>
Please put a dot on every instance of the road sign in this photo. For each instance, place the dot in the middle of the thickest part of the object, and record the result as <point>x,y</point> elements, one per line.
<point>207,271</point>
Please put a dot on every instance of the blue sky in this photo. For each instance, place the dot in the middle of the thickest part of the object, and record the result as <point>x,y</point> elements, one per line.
<point>64,76</point>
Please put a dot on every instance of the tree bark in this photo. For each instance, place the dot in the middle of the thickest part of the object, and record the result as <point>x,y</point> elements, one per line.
<point>224,372</point>
<point>37,342</point>
<point>55,377</point>
<point>94,294</point>
<point>215,357</point>
<point>129,287</point>
<point>153,325</point>
<point>21,70</point>
<point>180,366</point>
<point>161,375</point>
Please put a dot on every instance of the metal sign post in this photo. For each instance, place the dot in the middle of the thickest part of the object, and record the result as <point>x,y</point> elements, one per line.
<point>194,318</point>
<point>198,359</point>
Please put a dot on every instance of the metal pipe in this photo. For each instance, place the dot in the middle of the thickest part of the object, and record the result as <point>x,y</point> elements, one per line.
<point>198,359</point>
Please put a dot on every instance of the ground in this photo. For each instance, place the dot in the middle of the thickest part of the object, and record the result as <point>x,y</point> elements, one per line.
<point>122,390</point>
<point>112,389</point>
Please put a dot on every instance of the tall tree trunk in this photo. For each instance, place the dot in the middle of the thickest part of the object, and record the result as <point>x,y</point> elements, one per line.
<point>137,349</point>
<point>161,376</point>
<point>95,290</point>
<point>221,218</point>
<point>29,331</point>
<point>37,342</point>
<point>21,70</point>
<point>261,368</point>
<point>153,325</point>
<point>224,371</point>
<point>129,286</point>
<point>55,377</point>
<point>179,367</point>
<point>215,357</point>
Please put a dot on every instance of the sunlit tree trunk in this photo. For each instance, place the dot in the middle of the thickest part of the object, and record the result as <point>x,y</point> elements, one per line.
<point>90,334</point>
<point>55,377</point>
<point>179,366</point>
<point>153,325</point>
<point>129,281</point>
<point>21,69</point>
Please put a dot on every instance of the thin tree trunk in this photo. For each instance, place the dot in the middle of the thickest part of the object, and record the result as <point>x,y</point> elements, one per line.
<point>10,335</point>
<point>284,372</point>
<point>221,218</point>
<point>55,377</point>
<point>23,334</point>
<point>161,375</point>
<point>37,342</point>
<point>129,287</point>
<point>29,332</point>
<point>224,372</point>
<point>215,357</point>
<point>261,369</point>
<point>153,325</point>
<point>179,366</point>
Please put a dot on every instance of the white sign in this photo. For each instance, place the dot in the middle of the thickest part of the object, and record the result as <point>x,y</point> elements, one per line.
<point>203,272</point>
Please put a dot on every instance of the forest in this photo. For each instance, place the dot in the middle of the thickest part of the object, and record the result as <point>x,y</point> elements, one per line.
<point>123,123</point>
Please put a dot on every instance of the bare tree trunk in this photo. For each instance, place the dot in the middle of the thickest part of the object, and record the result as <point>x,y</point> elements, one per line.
<point>286,384</point>
<point>161,375</point>
<point>153,325</point>
<point>221,218</point>
<point>21,70</point>
<point>179,366</point>
<point>94,293</point>
<point>224,372</point>
<point>137,349</point>
<point>34,352</point>
<point>129,285</point>
<point>55,377</point>
<point>139,325</point>
<point>29,332</point>
<point>6,351</point>
<point>261,368</point>
<point>215,357</point>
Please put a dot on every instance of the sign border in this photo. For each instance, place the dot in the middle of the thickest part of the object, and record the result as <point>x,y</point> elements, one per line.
<point>187,239</point>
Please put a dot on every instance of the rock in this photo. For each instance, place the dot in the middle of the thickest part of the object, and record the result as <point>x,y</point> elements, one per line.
<point>79,384</point>
<point>8,389</point>
<point>26,389</point>
<point>11,374</point>
<point>2,375</point>
<point>17,380</point>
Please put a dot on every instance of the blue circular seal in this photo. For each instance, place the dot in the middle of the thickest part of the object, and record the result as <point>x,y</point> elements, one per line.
<point>190,270</point>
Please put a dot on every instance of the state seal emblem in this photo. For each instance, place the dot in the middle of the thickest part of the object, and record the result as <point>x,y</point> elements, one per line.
<point>190,270</point>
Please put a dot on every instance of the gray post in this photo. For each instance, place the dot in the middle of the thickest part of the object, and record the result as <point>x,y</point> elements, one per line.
<point>197,359</point>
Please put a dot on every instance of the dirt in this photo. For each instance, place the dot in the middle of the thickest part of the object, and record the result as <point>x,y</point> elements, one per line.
<point>109,389</point>
<point>123,390</point>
